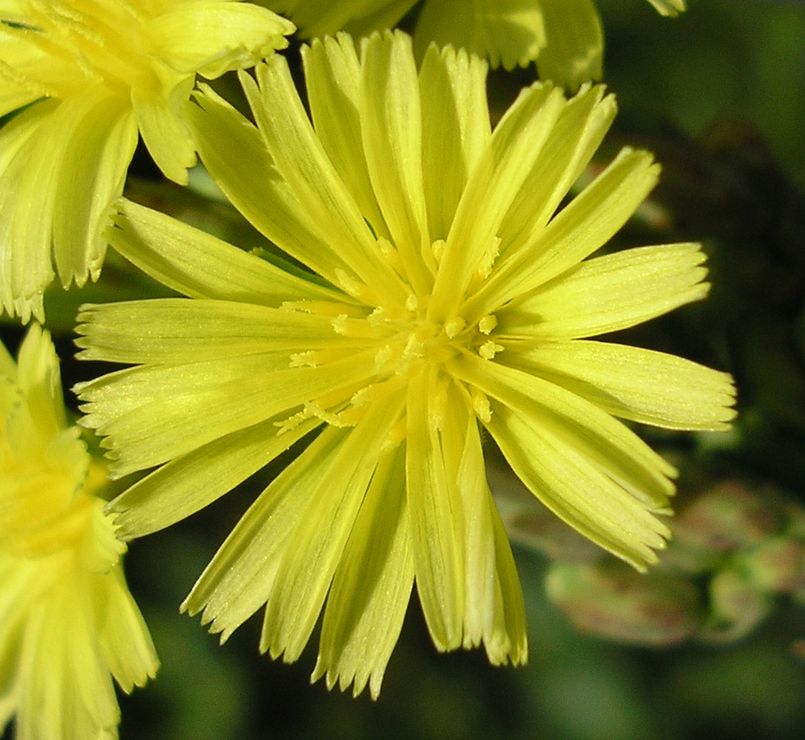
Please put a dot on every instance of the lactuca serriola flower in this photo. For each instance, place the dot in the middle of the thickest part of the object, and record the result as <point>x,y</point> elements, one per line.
<point>436,292</point>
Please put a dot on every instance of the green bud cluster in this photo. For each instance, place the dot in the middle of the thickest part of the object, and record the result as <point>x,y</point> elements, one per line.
<point>736,553</point>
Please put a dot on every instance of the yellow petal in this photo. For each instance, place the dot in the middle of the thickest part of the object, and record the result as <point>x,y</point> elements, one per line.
<point>455,130</point>
<point>241,576</point>
<point>371,588</point>
<point>507,32</point>
<point>332,75</point>
<point>199,265</point>
<point>151,414</point>
<point>435,516</point>
<point>309,563</point>
<point>235,154</point>
<point>568,483</point>
<point>160,119</point>
<point>65,689</point>
<point>72,167</point>
<point>509,614</point>
<point>578,132</point>
<point>574,42</point>
<point>181,330</point>
<point>494,612</point>
<point>15,89</point>
<point>39,380</point>
<point>609,293</point>
<point>124,636</point>
<point>90,177</point>
<point>472,242</point>
<point>188,483</point>
<point>215,37</point>
<point>583,226</point>
<point>583,426</point>
<point>21,64</point>
<point>27,207</point>
<point>638,384</point>
<point>300,157</point>
<point>391,127</point>
<point>70,623</point>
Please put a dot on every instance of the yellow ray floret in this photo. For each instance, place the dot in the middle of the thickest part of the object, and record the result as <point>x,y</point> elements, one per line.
<point>443,298</point>
<point>70,624</point>
<point>93,74</point>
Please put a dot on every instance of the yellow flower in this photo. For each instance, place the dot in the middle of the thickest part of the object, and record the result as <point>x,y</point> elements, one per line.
<point>69,621</point>
<point>563,36</point>
<point>93,73</point>
<point>434,293</point>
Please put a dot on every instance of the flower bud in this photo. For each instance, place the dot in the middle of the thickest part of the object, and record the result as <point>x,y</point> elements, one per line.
<point>610,600</point>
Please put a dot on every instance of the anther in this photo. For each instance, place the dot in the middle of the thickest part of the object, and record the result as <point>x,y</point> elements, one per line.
<point>454,327</point>
<point>487,324</point>
<point>489,349</point>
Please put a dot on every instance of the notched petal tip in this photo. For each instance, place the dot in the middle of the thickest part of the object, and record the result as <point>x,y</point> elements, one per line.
<point>357,680</point>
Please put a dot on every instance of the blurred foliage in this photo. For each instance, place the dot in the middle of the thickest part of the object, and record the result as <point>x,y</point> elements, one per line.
<point>712,642</point>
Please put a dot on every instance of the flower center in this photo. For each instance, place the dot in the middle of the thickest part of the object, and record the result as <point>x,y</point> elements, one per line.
<point>405,337</point>
<point>94,40</point>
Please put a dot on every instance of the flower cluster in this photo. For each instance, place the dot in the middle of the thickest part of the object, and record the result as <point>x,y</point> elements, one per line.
<point>434,288</point>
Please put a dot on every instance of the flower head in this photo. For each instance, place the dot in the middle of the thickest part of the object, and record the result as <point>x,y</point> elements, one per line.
<point>436,297</point>
<point>69,621</point>
<point>93,73</point>
<point>563,36</point>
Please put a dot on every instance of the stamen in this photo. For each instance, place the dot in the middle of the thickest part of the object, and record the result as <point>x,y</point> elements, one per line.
<point>289,424</point>
<point>351,285</point>
<point>378,316</point>
<point>304,359</point>
<point>438,247</point>
<point>340,324</point>
<point>330,309</point>
<point>390,254</point>
<point>481,406</point>
<point>333,419</point>
<point>487,324</point>
<point>454,327</point>
<point>489,349</point>
<point>414,348</point>
<point>396,435</point>
<point>490,255</point>
<point>382,357</point>
<point>438,411</point>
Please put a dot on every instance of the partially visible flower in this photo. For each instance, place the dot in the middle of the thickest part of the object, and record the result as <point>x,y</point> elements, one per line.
<point>564,37</point>
<point>69,621</point>
<point>93,73</point>
<point>435,294</point>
